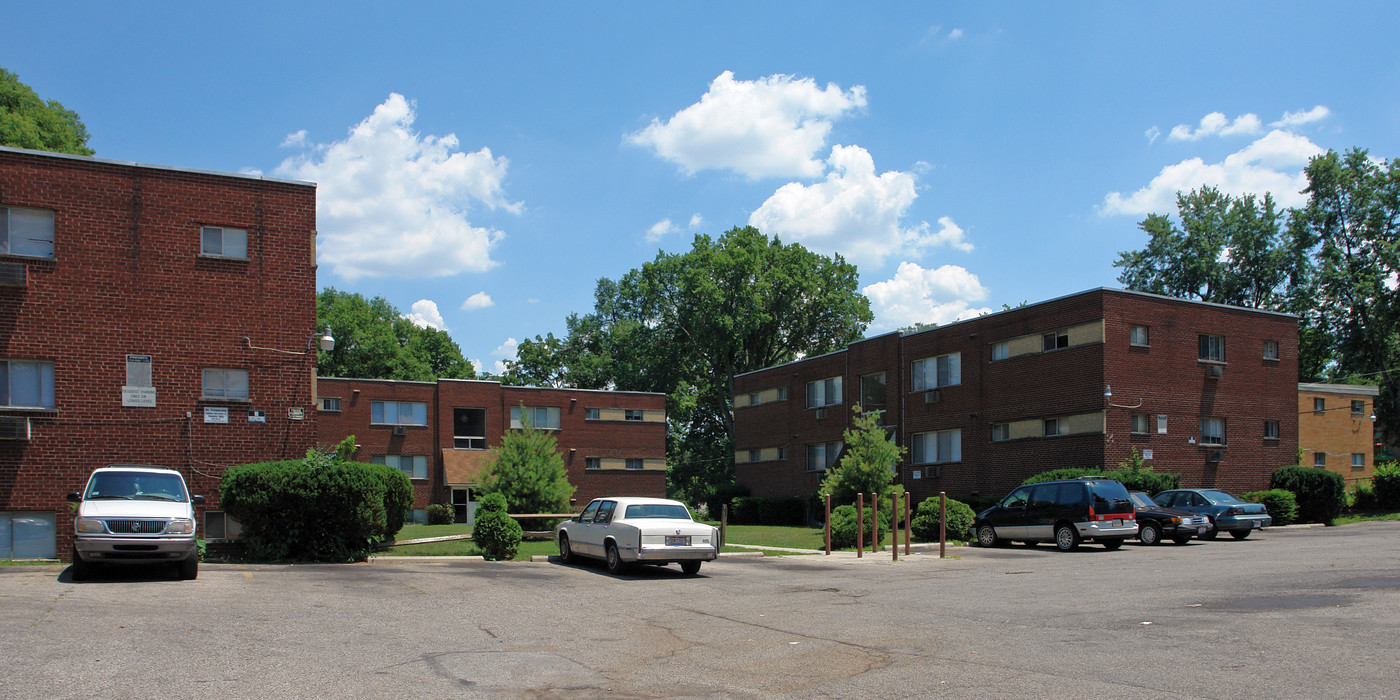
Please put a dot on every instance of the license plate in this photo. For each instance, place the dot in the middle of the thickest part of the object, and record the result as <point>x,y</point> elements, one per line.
<point>1118,522</point>
<point>1201,530</point>
<point>1258,524</point>
<point>678,540</point>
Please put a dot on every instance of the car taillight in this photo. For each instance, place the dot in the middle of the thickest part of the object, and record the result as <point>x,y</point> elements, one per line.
<point>1233,511</point>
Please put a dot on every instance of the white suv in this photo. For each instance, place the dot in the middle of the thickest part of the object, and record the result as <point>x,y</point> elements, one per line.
<point>135,515</point>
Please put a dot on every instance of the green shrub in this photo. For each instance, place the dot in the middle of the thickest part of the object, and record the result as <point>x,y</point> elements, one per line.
<point>314,509</point>
<point>767,510</point>
<point>843,526</point>
<point>1320,493</point>
<point>497,534</point>
<point>722,496</point>
<point>1149,482</point>
<point>1362,498</point>
<point>1386,485</point>
<point>441,514</point>
<point>925,525</point>
<point>1282,505</point>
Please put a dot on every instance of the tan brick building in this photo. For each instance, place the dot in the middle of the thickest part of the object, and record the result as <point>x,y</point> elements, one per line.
<point>1336,428</point>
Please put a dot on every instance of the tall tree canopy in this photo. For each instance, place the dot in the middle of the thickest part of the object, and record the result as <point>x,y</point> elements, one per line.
<point>685,324</point>
<point>374,341</point>
<point>26,121</point>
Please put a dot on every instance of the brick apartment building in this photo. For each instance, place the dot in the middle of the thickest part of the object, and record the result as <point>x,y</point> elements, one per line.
<point>1337,428</point>
<point>148,315</point>
<point>440,433</point>
<point>1203,390</point>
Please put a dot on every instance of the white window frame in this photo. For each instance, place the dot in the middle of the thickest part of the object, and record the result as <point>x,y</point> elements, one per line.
<point>827,392</point>
<point>541,417</point>
<point>1271,349</point>
<point>824,452</point>
<point>417,465</point>
<point>1271,430</point>
<point>634,464</point>
<point>1320,459</point>
<point>1358,407</point>
<point>1210,348</point>
<point>592,463</point>
<point>380,413</point>
<point>1139,336</point>
<point>1001,432</point>
<point>1001,351</point>
<point>1052,427</point>
<point>223,242</point>
<point>1142,423</point>
<point>1319,404</point>
<point>936,372</point>
<point>32,241</point>
<point>224,384</point>
<point>592,414</point>
<point>1213,431</point>
<point>330,404</point>
<point>936,447</point>
<point>33,378</point>
<point>1054,340</point>
<point>1358,461</point>
<point>634,415</point>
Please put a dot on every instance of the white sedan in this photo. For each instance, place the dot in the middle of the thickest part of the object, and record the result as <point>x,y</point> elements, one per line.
<point>626,531</point>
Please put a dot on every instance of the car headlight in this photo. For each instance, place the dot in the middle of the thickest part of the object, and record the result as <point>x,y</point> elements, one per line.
<point>89,525</point>
<point>180,526</point>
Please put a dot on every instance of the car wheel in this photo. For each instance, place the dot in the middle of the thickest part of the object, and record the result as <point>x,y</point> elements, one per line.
<point>189,569</point>
<point>690,568</point>
<point>1150,534</point>
<point>987,535</point>
<point>1066,537</point>
<point>566,552</point>
<point>1182,540</point>
<point>1112,544</point>
<point>1240,534</point>
<point>613,559</point>
<point>81,570</point>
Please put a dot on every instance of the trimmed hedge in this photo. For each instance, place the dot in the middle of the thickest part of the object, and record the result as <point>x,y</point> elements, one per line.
<point>1320,493</point>
<point>440,514</point>
<point>925,523</point>
<point>1149,482</point>
<point>1281,504</point>
<point>724,496</point>
<point>315,509</point>
<point>843,526</point>
<point>767,510</point>
<point>497,534</point>
<point>1386,486</point>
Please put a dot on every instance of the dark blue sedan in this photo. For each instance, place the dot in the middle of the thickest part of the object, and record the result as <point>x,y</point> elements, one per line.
<point>1226,513</point>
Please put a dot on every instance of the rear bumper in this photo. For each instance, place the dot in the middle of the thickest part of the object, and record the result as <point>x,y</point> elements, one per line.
<point>669,554</point>
<point>135,550</point>
<point>1098,530</point>
<point>1243,522</point>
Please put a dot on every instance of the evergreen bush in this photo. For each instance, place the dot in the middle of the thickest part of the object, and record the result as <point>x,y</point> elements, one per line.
<point>722,496</point>
<point>1320,493</point>
<point>495,533</point>
<point>925,525</point>
<point>843,526</point>
<point>440,514</point>
<point>1386,486</point>
<point>1282,505</point>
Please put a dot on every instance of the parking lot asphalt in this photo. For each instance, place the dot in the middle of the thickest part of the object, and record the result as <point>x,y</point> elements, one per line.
<point>1305,613</point>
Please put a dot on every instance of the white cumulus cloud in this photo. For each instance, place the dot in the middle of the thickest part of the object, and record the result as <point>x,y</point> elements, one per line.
<point>424,314</point>
<point>1295,119</point>
<point>480,300</point>
<point>1217,124</point>
<point>505,351</point>
<point>393,202</point>
<point>854,212</point>
<point>1272,164</point>
<point>915,295</point>
<point>772,126</point>
<point>665,227</point>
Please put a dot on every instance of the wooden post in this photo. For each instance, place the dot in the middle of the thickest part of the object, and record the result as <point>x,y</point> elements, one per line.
<point>906,523</point>
<point>874,521</point>
<point>723,523</point>
<point>942,523</point>
<point>828,524</point>
<point>860,525</point>
<point>894,527</point>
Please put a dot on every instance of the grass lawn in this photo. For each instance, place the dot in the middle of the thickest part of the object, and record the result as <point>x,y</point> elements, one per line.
<point>785,536</point>
<point>1362,517</point>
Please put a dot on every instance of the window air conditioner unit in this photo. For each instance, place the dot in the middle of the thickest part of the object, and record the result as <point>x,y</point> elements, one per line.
<point>14,274</point>
<point>821,413</point>
<point>1215,455</point>
<point>931,396</point>
<point>14,428</point>
<point>1215,372</point>
<point>400,430</point>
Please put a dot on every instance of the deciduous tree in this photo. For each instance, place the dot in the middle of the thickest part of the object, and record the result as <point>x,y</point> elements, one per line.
<point>374,341</point>
<point>26,121</point>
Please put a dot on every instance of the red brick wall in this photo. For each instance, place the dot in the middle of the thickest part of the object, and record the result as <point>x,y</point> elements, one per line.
<point>127,278</point>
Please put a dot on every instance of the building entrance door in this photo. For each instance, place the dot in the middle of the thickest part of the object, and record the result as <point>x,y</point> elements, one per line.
<point>463,507</point>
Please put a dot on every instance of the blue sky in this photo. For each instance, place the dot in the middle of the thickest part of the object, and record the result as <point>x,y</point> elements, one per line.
<point>482,166</point>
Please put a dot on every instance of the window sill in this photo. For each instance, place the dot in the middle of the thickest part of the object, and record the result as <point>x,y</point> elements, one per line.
<point>29,410</point>
<point>221,399</point>
<point>397,425</point>
<point>1204,361</point>
<point>227,258</point>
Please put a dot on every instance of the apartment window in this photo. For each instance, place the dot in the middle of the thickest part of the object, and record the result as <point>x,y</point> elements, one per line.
<point>545,417</point>
<point>937,447</point>
<point>26,383</point>
<point>398,412</point>
<point>1271,349</point>
<point>1001,432</point>
<point>1137,335</point>
<point>593,463</point>
<point>1001,351</point>
<point>224,242</point>
<point>632,414</point>
<point>1319,405</point>
<point>1270,430</point>
<point>415,466</point>
<point>1358,461</point>
<point>26,232</point>
<point>824,392</point>
<point>469,428</point>
<point>1212,431</point>
<point>935,372</point>
<point>1161,425</point>
<point>755,455</point>
<point>591,413</point>
<point>1053,427</point>
<point>1211,348</point>
<point>330,403</point>
<point>822,455</point>
<point>1054,341</point>
<point>225,383</point>
<point>872,391</point>
<point>782,454</point>
<point>634,463</point>
<point>1358,408</point>
<point>1320,459</point>
<point>1140,423</point>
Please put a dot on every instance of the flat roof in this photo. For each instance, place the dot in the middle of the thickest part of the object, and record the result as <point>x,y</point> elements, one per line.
<point>1354,389</point>
<point>489,381</point>
<point>167,168</point>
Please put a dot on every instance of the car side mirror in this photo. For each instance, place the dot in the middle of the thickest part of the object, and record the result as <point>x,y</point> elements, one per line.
<point>75,498</point>
<point>197,500</point>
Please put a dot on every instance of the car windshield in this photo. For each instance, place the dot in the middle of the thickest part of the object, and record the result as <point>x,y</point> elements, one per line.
<point>657,511</point>
<point>1141,500</point>
<point>1220,498</point>
<point>136,486</point>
